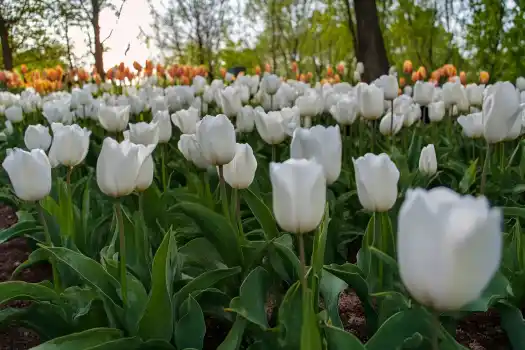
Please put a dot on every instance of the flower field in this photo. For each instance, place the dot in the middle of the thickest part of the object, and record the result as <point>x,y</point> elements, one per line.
<point>166,203</point>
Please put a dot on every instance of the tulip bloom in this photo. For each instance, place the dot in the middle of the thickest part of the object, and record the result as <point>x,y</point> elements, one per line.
<point>37,136</point>
<point>29,172</point>
<point>376,178</point>
<point>448,247</point>
<point>119,165</point>
<point>70,145</point>
<point>299,194</point>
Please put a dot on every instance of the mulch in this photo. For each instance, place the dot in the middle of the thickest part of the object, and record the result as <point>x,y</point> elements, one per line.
<point>479,331</point>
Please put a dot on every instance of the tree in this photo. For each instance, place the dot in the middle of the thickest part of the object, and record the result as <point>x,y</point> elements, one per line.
<point>192,30</point>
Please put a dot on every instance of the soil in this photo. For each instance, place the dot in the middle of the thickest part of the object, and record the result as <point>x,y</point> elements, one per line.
<point>479,331</point>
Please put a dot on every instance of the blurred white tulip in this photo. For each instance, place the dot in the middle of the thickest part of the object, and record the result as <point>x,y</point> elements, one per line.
<point>448,247</point>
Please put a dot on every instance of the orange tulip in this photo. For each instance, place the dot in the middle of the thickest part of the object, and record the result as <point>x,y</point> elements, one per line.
<point>407,67</point>
<point>484,77</point>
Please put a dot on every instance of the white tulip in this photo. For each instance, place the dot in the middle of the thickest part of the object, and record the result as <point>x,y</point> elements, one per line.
<point>216,136</point>
<point>428,160</point>
<point>186,120</point>
<point>239,173</point>
<point>299,194</point>
<point>376,178</point>
<point>143,133</point>
<point>191,150</point>
<point>246,119</point>
<point>345,111</point>
<point>37,136</point>
<point>448,247</point>
<point>14,114</point>
<point>475,94</point>
<point>423,92</point>
<point>389,85</point>
<point>119,165</point>
<point>322,144</point>
<point>501,108</point>
<point>271,84</point>
<point>371,102</point>
<point>270,127</point>
<point>70,145</point>
<point>389,126</point>
<point>436,111</point>
<point>472,125</point>
<point>162,118</point>
<point>114,119</point>
<point>29,172</point>
<point>231,103</point>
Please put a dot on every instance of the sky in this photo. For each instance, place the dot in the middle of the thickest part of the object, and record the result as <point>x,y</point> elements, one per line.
<point>135,15</point>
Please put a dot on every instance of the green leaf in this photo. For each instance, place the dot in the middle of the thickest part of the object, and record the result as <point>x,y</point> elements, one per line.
<point>119,344</point>
<point>262,213</point>
<point>513,324</point>
<point>82,340</point>
<point>217,230</point>
<point>191,328</point>
<point>330,288</point>
<point>204,281</point>
<point>152,326</point>
<point>234,338</point>
<point>18,290</point>
<point>252,297</point>
<point>469,178</point>
<point>89,270</point>
<point>353,276</point>
<point>338,339</point>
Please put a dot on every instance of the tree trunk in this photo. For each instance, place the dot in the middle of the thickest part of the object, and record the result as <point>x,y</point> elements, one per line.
<point>370,40</point>
<point>99,51</point>
<point>7,52</point>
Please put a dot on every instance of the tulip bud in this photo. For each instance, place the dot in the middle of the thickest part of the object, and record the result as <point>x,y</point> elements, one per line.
<point>37,136</point>
<point>389,85</point>
<point>231,103</point>
<point>345,111</point>
<point>162,118</point>
<point>216,136</point>
<point>423,93</point>
<point>428,161</point>
<point>119,165</point>
<point>323,144</point>
<point>371,102</point>
<point>387,126</point>
<point>14,114</point>
<point>70,144</point>
<point>239,173</point>
<point>143,133</point>
<point>270,126</point>
<point>448,247</point>
<point>376,178</point>
<point>115,118</point>
<point>299,194</point>
<point>191,150</point>
<point>436,111</point>
<point>501,108</point>
<point>186,120</point>
<point>246,119</point>
<point>29,172</point>
<point>472,125</point>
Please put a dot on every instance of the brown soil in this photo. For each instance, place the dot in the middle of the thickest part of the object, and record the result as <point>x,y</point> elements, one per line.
<point>12,254</point>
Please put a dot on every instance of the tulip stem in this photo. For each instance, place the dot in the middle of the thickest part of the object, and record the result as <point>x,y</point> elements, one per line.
<point>122,239</point>
<point>485,170</point>
<point>49,242</point>
<point>303,263</point>
<point>163,166</point>
<point>224,196</point>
